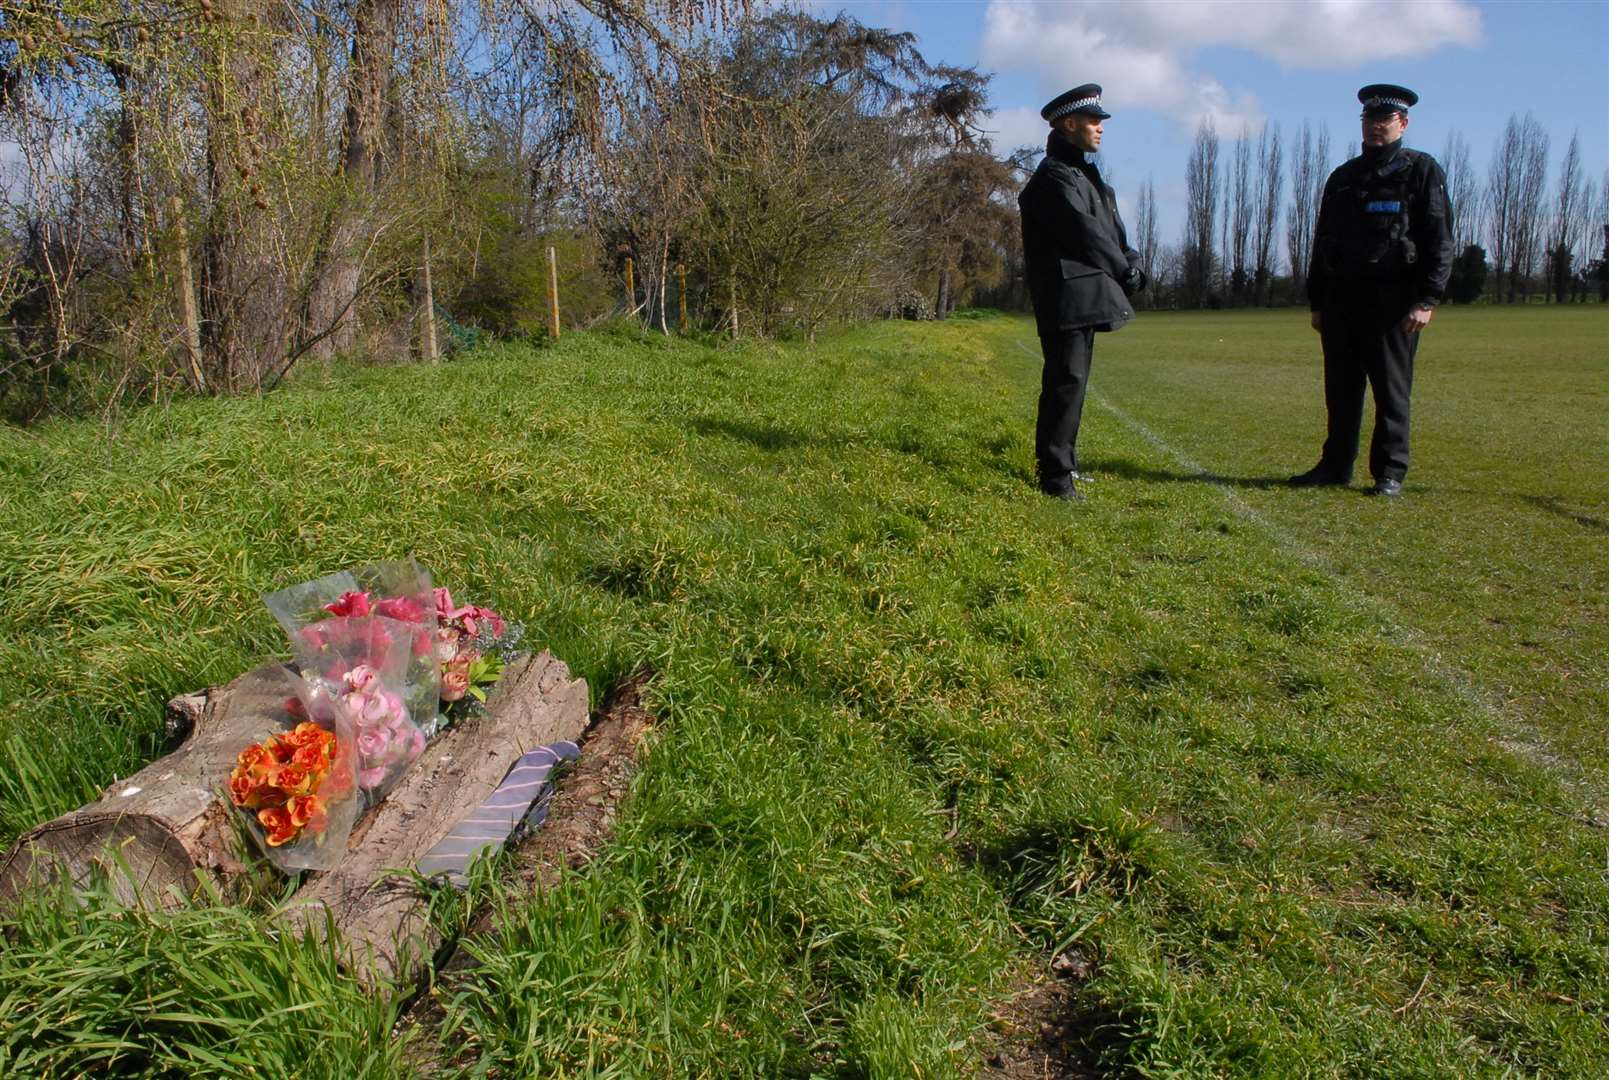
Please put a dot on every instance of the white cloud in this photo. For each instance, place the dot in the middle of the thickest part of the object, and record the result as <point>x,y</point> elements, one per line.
<point>1140,50</point>
<point>1011,128</point>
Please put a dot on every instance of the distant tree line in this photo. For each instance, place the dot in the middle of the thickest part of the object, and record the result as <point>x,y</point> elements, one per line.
<point>1517,236</point>
<point>213,196</point>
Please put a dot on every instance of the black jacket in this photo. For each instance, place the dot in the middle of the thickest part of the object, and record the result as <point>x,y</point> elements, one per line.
<point>1384,239</point>
<point>1079,266</point>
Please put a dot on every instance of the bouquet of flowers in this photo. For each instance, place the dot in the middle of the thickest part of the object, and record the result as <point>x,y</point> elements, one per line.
<point>359,695</point>
<point>473,645</point>
<point>366,655</point>
<point>296,789</point>
<point>397,591</point>
<point>379,653</point>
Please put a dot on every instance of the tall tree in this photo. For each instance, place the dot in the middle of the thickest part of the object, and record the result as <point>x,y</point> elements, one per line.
<point>1270,190</point>
<point>801,164</point>
<point>246,289</point>
<point>1238,216</point>
<point>1463,190</point>
<point>1309,171</point>
<point>1515,184</point>
<point>1502,198</point>
<point>1598,234</point>
<point>1586,242</point>
<point>961,212</point>
<point>1145,238</point>
<point>1201,209</point>
<point>331,307</point>
<point>1565,234</point>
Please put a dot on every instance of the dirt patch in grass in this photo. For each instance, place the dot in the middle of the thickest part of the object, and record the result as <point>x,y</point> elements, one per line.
<point>1043,1031</point>
<point>582,814</point>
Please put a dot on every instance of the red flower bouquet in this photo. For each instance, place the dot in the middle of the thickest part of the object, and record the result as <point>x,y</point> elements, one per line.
<point>364,643</point>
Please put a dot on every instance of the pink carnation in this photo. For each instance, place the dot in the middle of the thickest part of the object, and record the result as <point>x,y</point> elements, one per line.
<point>372,743</point>
<point>371,777</point>
<point>361,677</point>
<point>445,611</point>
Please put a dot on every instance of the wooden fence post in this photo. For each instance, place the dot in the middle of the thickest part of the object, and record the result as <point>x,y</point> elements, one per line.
<point>631,286</point>
<point>733,305</point>
<point>681,298</point>
<point>427,332</point>
<point>553,292</point>
<point>187,294</point>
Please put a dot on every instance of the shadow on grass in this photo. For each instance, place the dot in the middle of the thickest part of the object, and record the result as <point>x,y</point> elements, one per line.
<point>1128,470</point>
<point>1555,505</point>
<point>765,436</point>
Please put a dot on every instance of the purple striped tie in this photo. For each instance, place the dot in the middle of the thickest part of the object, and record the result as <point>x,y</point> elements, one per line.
<point>522,798</point>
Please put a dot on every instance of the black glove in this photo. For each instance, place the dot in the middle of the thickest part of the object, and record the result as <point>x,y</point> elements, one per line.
<point>1133,280</point>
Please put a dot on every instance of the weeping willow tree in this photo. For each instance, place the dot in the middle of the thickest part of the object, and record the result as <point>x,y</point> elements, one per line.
<point>205,193</point>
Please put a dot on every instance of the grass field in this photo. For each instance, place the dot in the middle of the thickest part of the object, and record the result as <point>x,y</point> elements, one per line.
<point>1315,783</point>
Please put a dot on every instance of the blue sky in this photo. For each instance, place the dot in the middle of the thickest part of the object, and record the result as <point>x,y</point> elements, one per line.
<point>1166,63</point>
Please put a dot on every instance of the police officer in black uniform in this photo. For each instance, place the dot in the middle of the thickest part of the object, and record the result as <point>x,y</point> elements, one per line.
<point>1080,273</point>
<point>1382,252</point>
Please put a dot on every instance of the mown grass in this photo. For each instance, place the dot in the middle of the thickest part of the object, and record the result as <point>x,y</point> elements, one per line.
<point>922,726</point>
<point>1495,558</point>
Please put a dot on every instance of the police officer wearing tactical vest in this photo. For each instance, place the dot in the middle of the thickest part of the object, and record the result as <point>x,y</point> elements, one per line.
<point>1080,273</point>
<point>1382,252</point>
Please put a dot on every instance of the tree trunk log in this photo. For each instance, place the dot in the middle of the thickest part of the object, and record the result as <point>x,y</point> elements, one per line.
<point>166,821</point>
<point>332,300</point>
<point>167,824</point>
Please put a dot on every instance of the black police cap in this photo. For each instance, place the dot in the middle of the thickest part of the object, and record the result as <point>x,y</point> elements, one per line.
<point>1080,99</point>
<point>1386,98</point>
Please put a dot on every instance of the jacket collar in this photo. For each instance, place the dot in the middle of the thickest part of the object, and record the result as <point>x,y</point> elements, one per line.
<point>1061,148</point>
<point>1379,156</point>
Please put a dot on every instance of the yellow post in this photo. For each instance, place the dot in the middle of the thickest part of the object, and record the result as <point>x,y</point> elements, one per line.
<point>631,286</point>
<point>681,298</point>
<point>553,292</point>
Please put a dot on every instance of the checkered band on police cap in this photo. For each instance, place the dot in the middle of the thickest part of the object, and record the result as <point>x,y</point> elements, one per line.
<point>1384,97</point>
<point>1085,99</point>
<point>1073,106</point>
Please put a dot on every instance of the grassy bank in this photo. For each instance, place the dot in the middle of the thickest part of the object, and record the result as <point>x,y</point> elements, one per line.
<point>922,727</point>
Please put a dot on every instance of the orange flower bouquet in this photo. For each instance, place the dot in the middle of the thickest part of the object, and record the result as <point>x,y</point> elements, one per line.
<point>297,791</point>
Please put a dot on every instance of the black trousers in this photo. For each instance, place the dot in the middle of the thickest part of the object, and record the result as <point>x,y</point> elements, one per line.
<point>1061,402</point>
<point>1361,351</point>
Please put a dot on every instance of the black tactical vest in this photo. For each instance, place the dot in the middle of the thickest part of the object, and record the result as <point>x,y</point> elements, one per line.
<point>1367,217</point>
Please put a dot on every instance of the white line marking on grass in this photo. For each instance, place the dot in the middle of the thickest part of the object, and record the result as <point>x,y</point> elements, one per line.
<point>1517,737</point>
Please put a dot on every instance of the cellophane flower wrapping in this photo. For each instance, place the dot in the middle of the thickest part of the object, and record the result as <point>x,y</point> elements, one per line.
<point>296,788</point>
<point>399,590</point>
<point>353,669</point>
<point>364,640</point>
